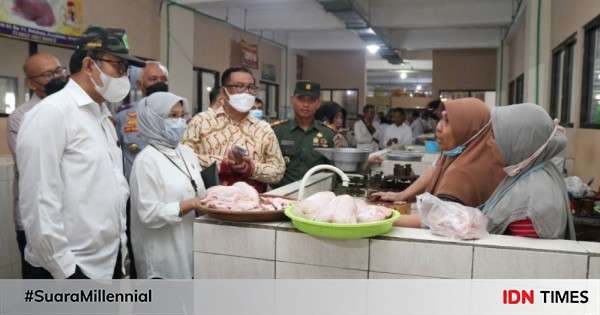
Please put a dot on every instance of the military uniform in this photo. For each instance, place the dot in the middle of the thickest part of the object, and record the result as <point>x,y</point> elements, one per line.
<point>297,145</point>
<point>130,138</point>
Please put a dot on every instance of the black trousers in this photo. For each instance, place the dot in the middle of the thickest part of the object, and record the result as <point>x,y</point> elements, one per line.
<point>30,272</point>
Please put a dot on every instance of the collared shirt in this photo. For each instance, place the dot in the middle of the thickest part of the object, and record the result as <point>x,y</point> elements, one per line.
<point>162,241</point>
<point>130,138</point>
<point>72,189</point>
<point>298,146</point>
<point>364,138</point>
<point>402,133</point>
<point>14,123</point>
<point>211,134</point>
<point>418,127</point>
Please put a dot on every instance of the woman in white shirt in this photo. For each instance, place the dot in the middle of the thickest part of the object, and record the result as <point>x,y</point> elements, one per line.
<point>367,136</point>
<point>166,187</point>
<point>398,133</point>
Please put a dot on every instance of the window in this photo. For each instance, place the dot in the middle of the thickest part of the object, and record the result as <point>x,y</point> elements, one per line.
<point>590,97</point>
<point>205,81</point>
<point>269,94</point>
<point>511,92</point>
<point>8,94</point>
<point>347,98</point>
<point>515,90</point>
<point>562,74</point>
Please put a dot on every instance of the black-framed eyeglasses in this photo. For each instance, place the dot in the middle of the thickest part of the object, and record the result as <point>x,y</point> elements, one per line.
<point>120,65</point>
<point>241,88</point>
<point>51,74</point>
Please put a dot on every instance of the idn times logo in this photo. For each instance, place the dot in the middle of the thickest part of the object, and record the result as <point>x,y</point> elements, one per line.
<point>513,296</point>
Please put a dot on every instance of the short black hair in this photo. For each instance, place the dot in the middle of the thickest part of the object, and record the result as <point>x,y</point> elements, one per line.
<point>416,114</point>
<point>76,61</point>
<point>227,74</point>
<point>368,107</point>
<point>327,111</point>
<point>213,94</point>
<point>398,110</point>
<point>435,104</point>
<point>258,100</point>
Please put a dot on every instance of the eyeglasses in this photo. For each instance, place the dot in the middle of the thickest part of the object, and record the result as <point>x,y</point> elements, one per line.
<point>120,65</point>
<point>51,74</point>
<point>241,88</point>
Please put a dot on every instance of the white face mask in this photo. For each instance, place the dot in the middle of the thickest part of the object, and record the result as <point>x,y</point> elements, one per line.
<point>113,89</point>
<point>513,170</point>
<point>242,102</point>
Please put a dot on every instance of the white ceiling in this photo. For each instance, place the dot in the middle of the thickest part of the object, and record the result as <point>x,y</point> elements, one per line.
<point>407,24</point>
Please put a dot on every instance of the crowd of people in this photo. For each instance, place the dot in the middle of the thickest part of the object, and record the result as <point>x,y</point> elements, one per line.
<point>101,196</point>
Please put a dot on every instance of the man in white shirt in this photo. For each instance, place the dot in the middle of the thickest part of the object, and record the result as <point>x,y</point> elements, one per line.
<point>366,135</point>
<point>398,133</point>
<point>72,189</point>
<point>44,76</point>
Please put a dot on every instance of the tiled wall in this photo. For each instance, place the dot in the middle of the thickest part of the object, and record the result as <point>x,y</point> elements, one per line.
<point>277,250</point>
<point>10,261</point>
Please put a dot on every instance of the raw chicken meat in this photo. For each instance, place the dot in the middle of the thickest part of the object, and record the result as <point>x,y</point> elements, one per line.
<point>240,196</point>
<point>38,11</point>
<point>372,213</point>
<point>309,207</point>
<point>344,209</point>
<point>326,207</point>
<point>274,203</point>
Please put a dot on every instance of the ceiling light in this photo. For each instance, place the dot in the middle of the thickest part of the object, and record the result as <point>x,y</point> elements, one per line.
<point>403,75</point>
<point>419,87</point>
<point>411,95</point>
<point>370,31</point>
<point>209,88</point>
<point>372,49</point>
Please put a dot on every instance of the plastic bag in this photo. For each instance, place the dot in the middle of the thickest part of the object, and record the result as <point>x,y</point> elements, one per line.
<point>451,219</point>
<point>576,187</point>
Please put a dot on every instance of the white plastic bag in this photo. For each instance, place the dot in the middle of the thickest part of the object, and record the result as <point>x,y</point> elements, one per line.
<point>576,187</point>
<point>451,219</point>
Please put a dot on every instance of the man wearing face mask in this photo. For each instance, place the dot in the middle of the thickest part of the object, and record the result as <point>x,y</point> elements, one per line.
<point>44,76</point>
<point>72,188</point>
<point>154,78</point>
<point>257,110</point>
<point>244,148</point>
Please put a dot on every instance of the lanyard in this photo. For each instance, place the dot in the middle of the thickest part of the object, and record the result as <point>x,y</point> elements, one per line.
<point>187,172</point>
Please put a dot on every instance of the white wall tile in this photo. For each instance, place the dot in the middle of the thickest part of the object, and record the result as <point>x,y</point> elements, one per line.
<point>516,242</point>
<point>385,275</point>
<point>233,240</point>
<point>496,263</point>
<point>298,247</point>
<point>594,271</point>
<point>210,266</point>
<point>592,247</point>
<point>300,271</point>
<point>421,258</point>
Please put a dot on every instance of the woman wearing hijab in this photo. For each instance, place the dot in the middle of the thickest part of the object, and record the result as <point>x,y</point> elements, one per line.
<point>532,200</point>
<point>166,187</point>
<point>470,166</point>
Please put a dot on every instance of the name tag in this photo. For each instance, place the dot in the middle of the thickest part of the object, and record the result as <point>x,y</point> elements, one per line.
<point>288,142</point>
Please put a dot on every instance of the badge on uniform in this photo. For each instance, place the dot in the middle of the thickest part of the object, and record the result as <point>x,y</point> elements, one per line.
<point>286,159</point>
<point>320,141</point>
<point>131,124</point>
<point>287,142</point>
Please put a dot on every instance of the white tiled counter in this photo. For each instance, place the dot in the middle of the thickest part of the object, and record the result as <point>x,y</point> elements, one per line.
<point>225,249</point>
<point>10,261</point>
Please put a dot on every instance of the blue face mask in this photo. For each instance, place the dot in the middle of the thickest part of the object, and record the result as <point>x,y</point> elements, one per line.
<point>456,151</point>
<point>257,113</point>
<point>174,129</point>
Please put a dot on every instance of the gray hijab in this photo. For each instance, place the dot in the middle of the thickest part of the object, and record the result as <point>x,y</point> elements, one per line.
<point>152,112</point>
<point>538,192</point>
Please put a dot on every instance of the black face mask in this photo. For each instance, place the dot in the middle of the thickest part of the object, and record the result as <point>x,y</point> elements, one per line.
<point>55,85</point>
<point>157,87</point>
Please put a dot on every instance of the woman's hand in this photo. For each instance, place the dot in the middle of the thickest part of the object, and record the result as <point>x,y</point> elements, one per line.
<point>390,196</point>
<point>375,159</point>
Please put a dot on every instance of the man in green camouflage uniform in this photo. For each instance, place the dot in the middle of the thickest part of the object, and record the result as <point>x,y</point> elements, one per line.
<point>298,137</point>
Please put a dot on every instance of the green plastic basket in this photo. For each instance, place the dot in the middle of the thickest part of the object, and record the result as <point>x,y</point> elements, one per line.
<point>341,231</point>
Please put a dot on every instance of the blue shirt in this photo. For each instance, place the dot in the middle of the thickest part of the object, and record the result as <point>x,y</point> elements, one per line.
<point>129,136</point>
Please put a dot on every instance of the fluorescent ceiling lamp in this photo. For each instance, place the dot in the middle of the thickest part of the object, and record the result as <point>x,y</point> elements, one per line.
<point>403,75</point>
<point>419,87</point>
<point>370,31</point>
<point>372,49</point>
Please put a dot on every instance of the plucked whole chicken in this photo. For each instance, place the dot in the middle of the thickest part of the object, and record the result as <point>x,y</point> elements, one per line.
<point>345,209</point>
<point>242,197</point>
